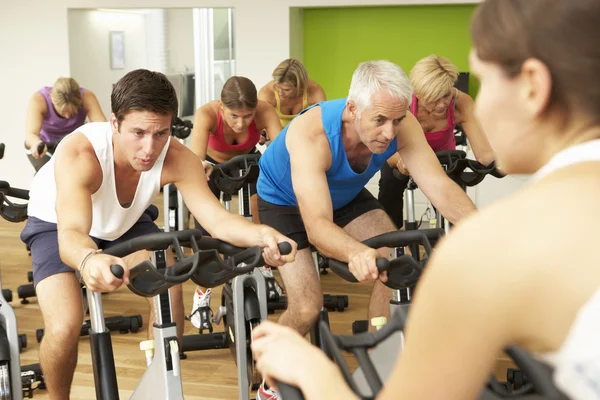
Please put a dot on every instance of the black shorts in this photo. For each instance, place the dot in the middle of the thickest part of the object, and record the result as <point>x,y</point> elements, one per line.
<point>287,220</point>
<point>391,194</point>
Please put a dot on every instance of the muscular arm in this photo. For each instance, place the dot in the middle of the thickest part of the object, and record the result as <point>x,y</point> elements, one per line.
<point>310,157</point>
<point>78,175</point>
<point>477,137</point>
<point>185,170</point>
<point>425,169</point>
<point>267,119</point>
<point>92,107</point>
<point>33,122</point>
<point>204,120</point>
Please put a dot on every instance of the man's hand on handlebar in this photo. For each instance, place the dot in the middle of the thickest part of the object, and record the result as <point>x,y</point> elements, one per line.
<point>98,276</point>
<point>363,267</point>
<point>269,238</point>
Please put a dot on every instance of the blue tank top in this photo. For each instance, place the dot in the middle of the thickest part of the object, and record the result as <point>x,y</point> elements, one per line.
<point>275,179</point>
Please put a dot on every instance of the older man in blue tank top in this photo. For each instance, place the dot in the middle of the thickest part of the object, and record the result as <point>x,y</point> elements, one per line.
<point>313,177</point>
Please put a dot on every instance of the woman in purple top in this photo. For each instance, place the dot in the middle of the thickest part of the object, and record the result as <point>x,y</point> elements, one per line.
<point>439,107</point>
<point>56,111</point>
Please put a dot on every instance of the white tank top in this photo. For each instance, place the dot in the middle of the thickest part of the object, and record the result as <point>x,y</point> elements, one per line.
<point>109,219</point>
<point>577,363</point>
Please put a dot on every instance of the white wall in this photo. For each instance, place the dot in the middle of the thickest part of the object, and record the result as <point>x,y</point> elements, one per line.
<point>35,50</point>
<point>180,40</point>
<point>89,49</point>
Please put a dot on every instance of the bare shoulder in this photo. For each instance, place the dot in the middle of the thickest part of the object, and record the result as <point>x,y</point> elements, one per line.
<point>38,102</point>
<point>307,132</point>
<point>179,160</point>
<point>463,102</point>
<point>267,93</point>
<point>209,109</point>
<point>263,107</point>
<point>88,95</point>
<point>76,157</point>
<point>309,125</point>
<point>507,240</point>
<point>207,115</point>
<point>314,87</point>
<point>315,92</point>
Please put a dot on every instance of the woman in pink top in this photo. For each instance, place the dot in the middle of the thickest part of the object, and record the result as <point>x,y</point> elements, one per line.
<point>439,107</point>
<point>224,129</point>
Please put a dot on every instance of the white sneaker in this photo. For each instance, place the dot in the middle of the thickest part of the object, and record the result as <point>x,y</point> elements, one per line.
<point>268,273</point>
<point>201,312</point>
<point>267,394</point>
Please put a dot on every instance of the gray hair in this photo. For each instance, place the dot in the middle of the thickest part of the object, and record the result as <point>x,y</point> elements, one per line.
<point>372,76</point>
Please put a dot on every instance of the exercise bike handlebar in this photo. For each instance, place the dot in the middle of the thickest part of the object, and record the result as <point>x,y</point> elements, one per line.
<point>181,128</point>
<point>9,191</point>
<point>539,375</point>
<point>230,176</point>
<point>10,211</point>
<point>50,146</point>
<point>455,163</point>
<point>403,271</point>
<point>205,266</point>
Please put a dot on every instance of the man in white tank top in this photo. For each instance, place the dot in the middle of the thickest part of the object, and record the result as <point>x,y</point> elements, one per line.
<point>95,192</point>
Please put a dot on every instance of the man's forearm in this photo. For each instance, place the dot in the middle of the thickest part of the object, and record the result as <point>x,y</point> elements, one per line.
<point>452,201</point>
<point>332,241</point>
<point>238,231</point>
<point>74,247</point>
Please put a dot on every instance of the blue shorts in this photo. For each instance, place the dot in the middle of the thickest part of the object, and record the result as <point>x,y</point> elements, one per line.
<point>42,239</point>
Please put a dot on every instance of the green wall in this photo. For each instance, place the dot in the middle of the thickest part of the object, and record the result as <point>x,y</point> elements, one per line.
<point>336,40</point>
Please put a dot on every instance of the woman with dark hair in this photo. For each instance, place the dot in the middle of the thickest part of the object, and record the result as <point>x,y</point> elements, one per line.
<point>539,103</point>
<point>224,129</point>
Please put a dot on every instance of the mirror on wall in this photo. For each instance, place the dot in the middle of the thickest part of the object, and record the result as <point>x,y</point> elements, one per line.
<point>194,47</point>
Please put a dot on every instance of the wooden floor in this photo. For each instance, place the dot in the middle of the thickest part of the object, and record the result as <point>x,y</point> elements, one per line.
<point>206,374</point>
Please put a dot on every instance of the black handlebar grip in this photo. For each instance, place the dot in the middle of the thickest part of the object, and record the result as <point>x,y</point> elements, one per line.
<point>117,270</point>
<point>284,248</point>
<point>1,150</point>
<point>382,263</point>
<point>40,147</point>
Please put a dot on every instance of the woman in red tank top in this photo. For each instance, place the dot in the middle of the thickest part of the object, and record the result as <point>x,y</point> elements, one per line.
<point>224,129</point>
<point>439,107</point>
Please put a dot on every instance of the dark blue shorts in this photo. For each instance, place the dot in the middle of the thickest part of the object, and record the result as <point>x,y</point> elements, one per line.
<point>42,239</point>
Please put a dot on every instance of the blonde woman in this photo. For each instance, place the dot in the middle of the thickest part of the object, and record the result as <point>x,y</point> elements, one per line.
<point>56,111</point>
<point>439,107</point>
<point>291,91</point>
